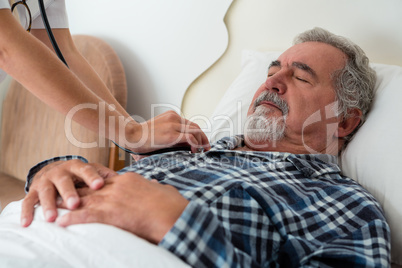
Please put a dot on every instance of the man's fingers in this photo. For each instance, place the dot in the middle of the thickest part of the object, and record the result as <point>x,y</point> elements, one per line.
<point>47,197</point>
<point>70,218</point>
<point>67,191</point>
<point>58,182</point>
<point>80,216</point>
<point>88,174</point>
<point>82,192</point>
<point>28,207</point>
<point>104,172</point>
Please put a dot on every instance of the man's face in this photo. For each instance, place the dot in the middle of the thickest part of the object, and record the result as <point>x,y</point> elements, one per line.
<point>302,78</point>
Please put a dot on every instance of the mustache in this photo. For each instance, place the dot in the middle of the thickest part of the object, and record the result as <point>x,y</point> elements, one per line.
<point>275,99</point>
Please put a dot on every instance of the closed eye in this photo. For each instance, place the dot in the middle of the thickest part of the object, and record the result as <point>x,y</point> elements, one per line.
<point>301,79</point>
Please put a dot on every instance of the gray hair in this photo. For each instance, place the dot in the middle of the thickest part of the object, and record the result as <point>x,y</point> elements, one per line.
<point>354,84</point>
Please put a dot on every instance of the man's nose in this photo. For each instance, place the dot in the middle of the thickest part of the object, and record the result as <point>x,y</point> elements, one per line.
<point>276,83</point>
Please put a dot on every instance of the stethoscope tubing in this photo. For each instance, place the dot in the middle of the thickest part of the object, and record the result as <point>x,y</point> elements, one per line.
<point>49,32</point>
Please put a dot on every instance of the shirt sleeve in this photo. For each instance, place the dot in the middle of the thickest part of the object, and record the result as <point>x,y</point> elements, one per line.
<point>56,13</point>
<point>35,169</point>
<point>199,239</point>
<point>4,4</point>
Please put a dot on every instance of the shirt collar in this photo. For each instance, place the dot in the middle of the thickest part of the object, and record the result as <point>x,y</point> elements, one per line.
<point>311,165</point>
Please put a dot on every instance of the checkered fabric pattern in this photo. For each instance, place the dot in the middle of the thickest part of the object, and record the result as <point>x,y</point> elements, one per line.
<point>268,209</point>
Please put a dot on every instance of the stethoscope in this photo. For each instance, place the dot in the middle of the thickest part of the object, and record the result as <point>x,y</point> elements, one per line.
<point>60,55</point>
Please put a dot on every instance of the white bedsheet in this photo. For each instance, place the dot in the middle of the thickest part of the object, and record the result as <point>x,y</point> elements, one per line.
<point>45,244</point>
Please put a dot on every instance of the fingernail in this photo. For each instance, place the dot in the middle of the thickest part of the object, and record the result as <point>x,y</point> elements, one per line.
<point>72,202</point>
<point>97,183</point>
<point>50,215</point>
<point>61,221</point>
<point>24,222</point>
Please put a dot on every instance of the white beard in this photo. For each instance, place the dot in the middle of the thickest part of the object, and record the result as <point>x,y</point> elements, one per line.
<point>260,127</point>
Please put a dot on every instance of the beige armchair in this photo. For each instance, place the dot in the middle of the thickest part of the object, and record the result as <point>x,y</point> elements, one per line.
<point>32,132</point>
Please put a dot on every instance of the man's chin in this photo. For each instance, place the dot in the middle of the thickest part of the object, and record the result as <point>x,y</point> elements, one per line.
<point>268,110</point>
<point>261,142</point>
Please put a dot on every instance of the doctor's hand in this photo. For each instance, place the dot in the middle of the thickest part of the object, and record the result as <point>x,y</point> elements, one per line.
<point>163,131</point>
<point>61,179</point>
<point>130,202</point>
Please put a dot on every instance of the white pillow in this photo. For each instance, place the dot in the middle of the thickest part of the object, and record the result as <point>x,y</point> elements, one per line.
<point>372,158</point>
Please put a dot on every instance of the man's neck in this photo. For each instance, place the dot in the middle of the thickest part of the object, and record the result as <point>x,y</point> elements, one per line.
<point>332,149</point>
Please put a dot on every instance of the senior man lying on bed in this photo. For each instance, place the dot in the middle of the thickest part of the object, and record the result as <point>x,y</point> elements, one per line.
<point>274,196</point>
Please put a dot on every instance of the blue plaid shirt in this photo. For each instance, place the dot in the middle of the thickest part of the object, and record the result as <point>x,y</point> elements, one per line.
<point>267,209</point>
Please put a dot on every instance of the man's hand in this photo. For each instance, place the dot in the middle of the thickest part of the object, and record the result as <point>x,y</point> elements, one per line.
<point>61,178</point>
<point>130,202</point>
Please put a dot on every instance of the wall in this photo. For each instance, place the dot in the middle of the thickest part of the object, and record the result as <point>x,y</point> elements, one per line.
<point>163,44</point>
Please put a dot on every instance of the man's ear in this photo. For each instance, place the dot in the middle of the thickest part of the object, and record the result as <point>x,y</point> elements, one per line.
<point>347,125</point>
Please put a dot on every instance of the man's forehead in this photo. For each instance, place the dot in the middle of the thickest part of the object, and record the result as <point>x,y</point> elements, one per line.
<point>315,56</point>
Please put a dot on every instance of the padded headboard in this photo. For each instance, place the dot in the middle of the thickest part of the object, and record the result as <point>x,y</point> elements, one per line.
<point>271,25</point>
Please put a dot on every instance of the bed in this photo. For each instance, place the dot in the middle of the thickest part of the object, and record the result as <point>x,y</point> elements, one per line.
<point>259,30</point>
